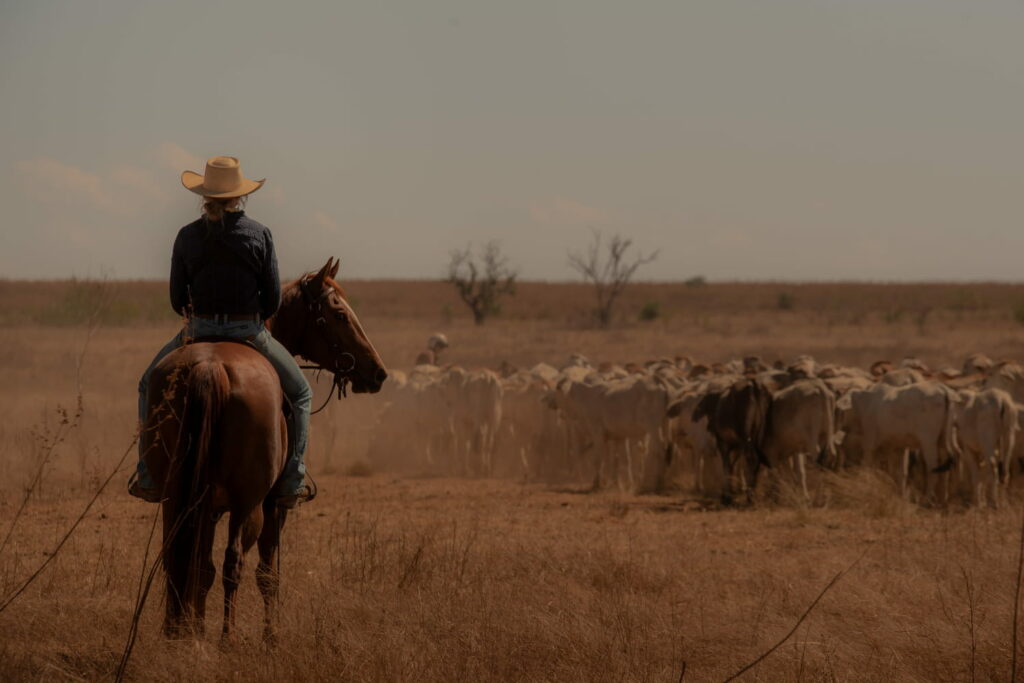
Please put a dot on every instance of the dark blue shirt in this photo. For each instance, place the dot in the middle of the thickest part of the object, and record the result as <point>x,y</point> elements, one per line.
<point>225,267</point>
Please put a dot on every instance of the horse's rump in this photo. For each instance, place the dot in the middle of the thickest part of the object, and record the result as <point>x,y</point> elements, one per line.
<point>243,423</point>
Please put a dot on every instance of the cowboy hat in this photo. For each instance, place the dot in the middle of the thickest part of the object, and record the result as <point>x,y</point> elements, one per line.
<point>223,180</point>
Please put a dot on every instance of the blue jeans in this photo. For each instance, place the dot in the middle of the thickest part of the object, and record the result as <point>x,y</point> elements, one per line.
<point>293,382</point>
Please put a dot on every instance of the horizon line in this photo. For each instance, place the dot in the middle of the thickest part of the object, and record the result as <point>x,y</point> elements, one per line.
<point>684,282</point>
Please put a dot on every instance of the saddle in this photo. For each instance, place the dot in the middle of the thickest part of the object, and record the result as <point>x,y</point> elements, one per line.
<point>217,339</point>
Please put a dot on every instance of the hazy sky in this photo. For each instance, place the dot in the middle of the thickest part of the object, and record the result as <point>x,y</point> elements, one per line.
<point>751,139</point>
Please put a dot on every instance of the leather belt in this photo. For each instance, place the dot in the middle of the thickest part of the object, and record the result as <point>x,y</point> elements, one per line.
<point>229,317</point>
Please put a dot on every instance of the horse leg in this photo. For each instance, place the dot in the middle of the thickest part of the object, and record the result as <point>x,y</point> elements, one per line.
<point>242,533</point>
<point>267,577</point>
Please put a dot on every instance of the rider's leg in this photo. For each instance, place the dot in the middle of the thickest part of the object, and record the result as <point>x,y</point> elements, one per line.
<point>295,386</point>
<point>145,480</point>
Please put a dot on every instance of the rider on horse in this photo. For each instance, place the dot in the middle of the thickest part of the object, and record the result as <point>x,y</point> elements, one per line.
<point>224,281</point>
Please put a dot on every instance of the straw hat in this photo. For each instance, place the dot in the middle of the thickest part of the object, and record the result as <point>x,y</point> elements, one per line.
<point>223,179</point>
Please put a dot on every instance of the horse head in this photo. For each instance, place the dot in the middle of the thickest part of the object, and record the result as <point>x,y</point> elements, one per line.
<point>316,322</point>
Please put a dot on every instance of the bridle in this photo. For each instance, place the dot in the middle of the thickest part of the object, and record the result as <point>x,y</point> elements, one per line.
<point>340,381</point>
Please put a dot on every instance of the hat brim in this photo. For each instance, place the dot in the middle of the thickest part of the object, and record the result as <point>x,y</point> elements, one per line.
<point>194,183</point>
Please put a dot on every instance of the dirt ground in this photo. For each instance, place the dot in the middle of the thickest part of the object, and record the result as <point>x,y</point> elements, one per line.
<point>387,576</point>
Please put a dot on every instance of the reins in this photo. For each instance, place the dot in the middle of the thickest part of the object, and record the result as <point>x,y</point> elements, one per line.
<point>338,381</point>
<point>340,375</point>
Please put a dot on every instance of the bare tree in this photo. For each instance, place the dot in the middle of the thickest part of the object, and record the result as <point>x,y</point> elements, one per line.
<point>481,282</point>
<point>607,266</point>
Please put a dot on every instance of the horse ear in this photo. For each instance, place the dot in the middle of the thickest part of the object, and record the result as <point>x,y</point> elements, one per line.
<point>320,278</point>
<point>334,270</point>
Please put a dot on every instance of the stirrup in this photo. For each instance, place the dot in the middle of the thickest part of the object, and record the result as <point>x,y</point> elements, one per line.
<point>292,500</point>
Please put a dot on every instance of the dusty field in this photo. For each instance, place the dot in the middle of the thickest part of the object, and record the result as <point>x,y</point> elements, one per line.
<point>393,577</point>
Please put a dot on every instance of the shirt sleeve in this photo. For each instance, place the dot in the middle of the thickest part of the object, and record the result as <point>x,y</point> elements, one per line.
<point>179,278</point>
<point>270,281</point>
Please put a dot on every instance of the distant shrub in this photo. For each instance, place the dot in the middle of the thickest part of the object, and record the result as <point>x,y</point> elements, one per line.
<point>964,299</point>
<point>786,301</point>
<point>1018,313</point>
<point>447,313</point>
<point>650,311</point>
<point>481,278</point>
<point>893,315</point>
<point>608,267</point>
<point>696,282</point>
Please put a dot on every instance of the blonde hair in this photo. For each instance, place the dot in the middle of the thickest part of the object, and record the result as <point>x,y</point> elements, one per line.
<point>214,208</point>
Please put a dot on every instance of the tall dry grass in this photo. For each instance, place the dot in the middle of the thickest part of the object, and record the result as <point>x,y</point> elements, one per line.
<point>388,577</point>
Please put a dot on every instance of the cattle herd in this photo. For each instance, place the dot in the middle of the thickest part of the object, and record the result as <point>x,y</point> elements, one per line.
<point>935,433</point>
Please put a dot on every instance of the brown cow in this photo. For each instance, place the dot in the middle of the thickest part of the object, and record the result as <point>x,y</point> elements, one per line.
<point>738,418</point>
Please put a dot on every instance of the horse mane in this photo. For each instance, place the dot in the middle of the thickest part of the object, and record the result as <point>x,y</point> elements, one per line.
<point>337,288</point>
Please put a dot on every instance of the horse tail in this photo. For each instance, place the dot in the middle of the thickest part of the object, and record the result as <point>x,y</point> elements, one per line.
<point>187,554</point>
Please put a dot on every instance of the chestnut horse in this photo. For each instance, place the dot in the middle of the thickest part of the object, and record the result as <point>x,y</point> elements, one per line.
<point>216,439</point>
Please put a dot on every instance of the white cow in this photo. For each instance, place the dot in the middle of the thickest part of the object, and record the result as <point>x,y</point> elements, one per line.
<point>545,373</point>
<point>473,398</point>
<point>901,377</point>
<point>801,422</point>
<point>977,364</point>
<point>986,424</point>
<point>917,417</point>
<point>1009,377</point>
<point>611,414</point>
<point>530,433</point>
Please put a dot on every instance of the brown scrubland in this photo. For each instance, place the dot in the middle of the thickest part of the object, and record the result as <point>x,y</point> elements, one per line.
<point>392,575</point>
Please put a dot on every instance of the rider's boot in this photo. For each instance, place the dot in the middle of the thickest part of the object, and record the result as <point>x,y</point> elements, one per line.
<point>141,484</point>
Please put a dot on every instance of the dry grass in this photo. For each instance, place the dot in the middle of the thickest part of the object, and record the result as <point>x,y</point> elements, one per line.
<point>388,577</point>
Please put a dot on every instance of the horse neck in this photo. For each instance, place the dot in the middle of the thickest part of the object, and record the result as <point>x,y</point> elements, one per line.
<point>286,325</point>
